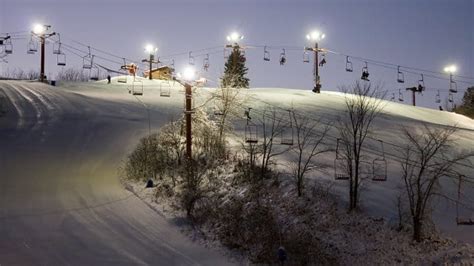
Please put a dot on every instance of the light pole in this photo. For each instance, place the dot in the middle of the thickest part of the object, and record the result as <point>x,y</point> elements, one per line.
<point>315,37</point>
<point>151,50</point>
<point>40,31</point>
<point>185,79</point>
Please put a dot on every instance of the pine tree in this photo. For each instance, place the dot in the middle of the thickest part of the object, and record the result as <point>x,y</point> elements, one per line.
<point>467,106</point>
<point>235,71</point>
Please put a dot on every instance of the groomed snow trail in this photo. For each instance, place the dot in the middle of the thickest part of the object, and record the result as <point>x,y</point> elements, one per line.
<point>61,202</point>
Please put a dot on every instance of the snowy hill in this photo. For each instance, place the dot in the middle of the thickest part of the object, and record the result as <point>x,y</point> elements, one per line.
<point>84,130</point>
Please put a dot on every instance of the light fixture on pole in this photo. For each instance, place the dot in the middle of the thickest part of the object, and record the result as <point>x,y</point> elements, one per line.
<point>315,37</point>
<point>151,50</point>
<point>40,31</point>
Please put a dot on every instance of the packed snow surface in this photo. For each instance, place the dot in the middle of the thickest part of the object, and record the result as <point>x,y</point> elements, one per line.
<point>62,147</point>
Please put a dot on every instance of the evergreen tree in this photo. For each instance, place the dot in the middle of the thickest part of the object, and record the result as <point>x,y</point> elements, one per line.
<point>235,71</point>
<point>467,106</point>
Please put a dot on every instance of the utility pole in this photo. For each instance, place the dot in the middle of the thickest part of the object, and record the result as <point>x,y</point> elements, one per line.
<point>151,50</point>
<point>316,36</point>
<point>418,89</point>
<point>40,32</point>
<point>317,84</point>
<point>188,113</point>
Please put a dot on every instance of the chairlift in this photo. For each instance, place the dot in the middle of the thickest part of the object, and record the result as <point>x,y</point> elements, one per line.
<point>137,87</point>
<point>348,65</point>
<point>123,78</point>
<point>340,166</point>
<point>421,84</point>
<point>400,76</point>
<point>282,57</point>
<point>172,63</point>
<point>88,60</point>
<point>61,59</point>
<point>365,72</point>
<point>32,46</point>
<point>453,86</point>
<point>8,46</point>
<point>206,63</point>
<point>450,97</point>
<point>305,56</point>
<point>191,59</point>
<point>165,89</point>
<point>379,166</point>
<point>250,129</point>
<point>95,73</point>
<point>57,45</point>
<point>287,134</point>
<point>266,54</point>
<point>323,61</point>
<point>438,98</point>
<point>400,95</point>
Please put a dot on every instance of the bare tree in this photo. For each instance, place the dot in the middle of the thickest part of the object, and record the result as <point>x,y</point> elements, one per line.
<point>272,126</point>
<point>228,103</point>
<point>309,144</point>
<point>363,105</point>
<point>428,155</point>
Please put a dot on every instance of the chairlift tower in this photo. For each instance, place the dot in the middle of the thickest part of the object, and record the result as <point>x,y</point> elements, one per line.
<point>316,36</point>
<point>41,32</point>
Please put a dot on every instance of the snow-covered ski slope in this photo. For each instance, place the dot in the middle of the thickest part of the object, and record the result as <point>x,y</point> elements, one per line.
<point>61,202</point>
<point>61,148</point>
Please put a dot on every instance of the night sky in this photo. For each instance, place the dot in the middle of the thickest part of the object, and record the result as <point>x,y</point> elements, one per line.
<point>420,34</point>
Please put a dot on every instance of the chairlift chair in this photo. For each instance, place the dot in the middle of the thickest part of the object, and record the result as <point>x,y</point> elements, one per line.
<point>365,73</point>
<point>32,46</point>
<point>453,86</point>
<point>57,48</point>
<point>250,129</point>
<point>57,45</point>
<point>379,166</point>
<point>61,59</point>
<point>348,65</point>
<point>400,95</point>
<point>165,89</point>
<point>287,134</point>
<point>305,56</point>
<point>340,166</point>
<point>137,87</point>
<point>266,54</point>
<point>282,57</point>
<point>450,97</point>
<point>393,97</point>
<point>400,76</point>
<point>205,64</point>
<point>191,59</point>
<point>421,84</point>
<point>8,46</point>
<point>95,73</point>
<point>87,61</point>
<point>438,98</point>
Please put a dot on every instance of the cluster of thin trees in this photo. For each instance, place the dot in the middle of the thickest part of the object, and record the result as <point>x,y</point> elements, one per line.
<point>426,155</point>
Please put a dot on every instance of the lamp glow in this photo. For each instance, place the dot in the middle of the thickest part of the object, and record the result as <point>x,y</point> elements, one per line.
<point>39,29</point>
<point>234,37</point>
<point>189,74</point>
<point>150,49</point>
<point>315,36</point>
<point>450,69</point>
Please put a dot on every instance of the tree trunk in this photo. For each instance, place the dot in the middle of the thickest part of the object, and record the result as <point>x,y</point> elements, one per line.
<point>417,227</point>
